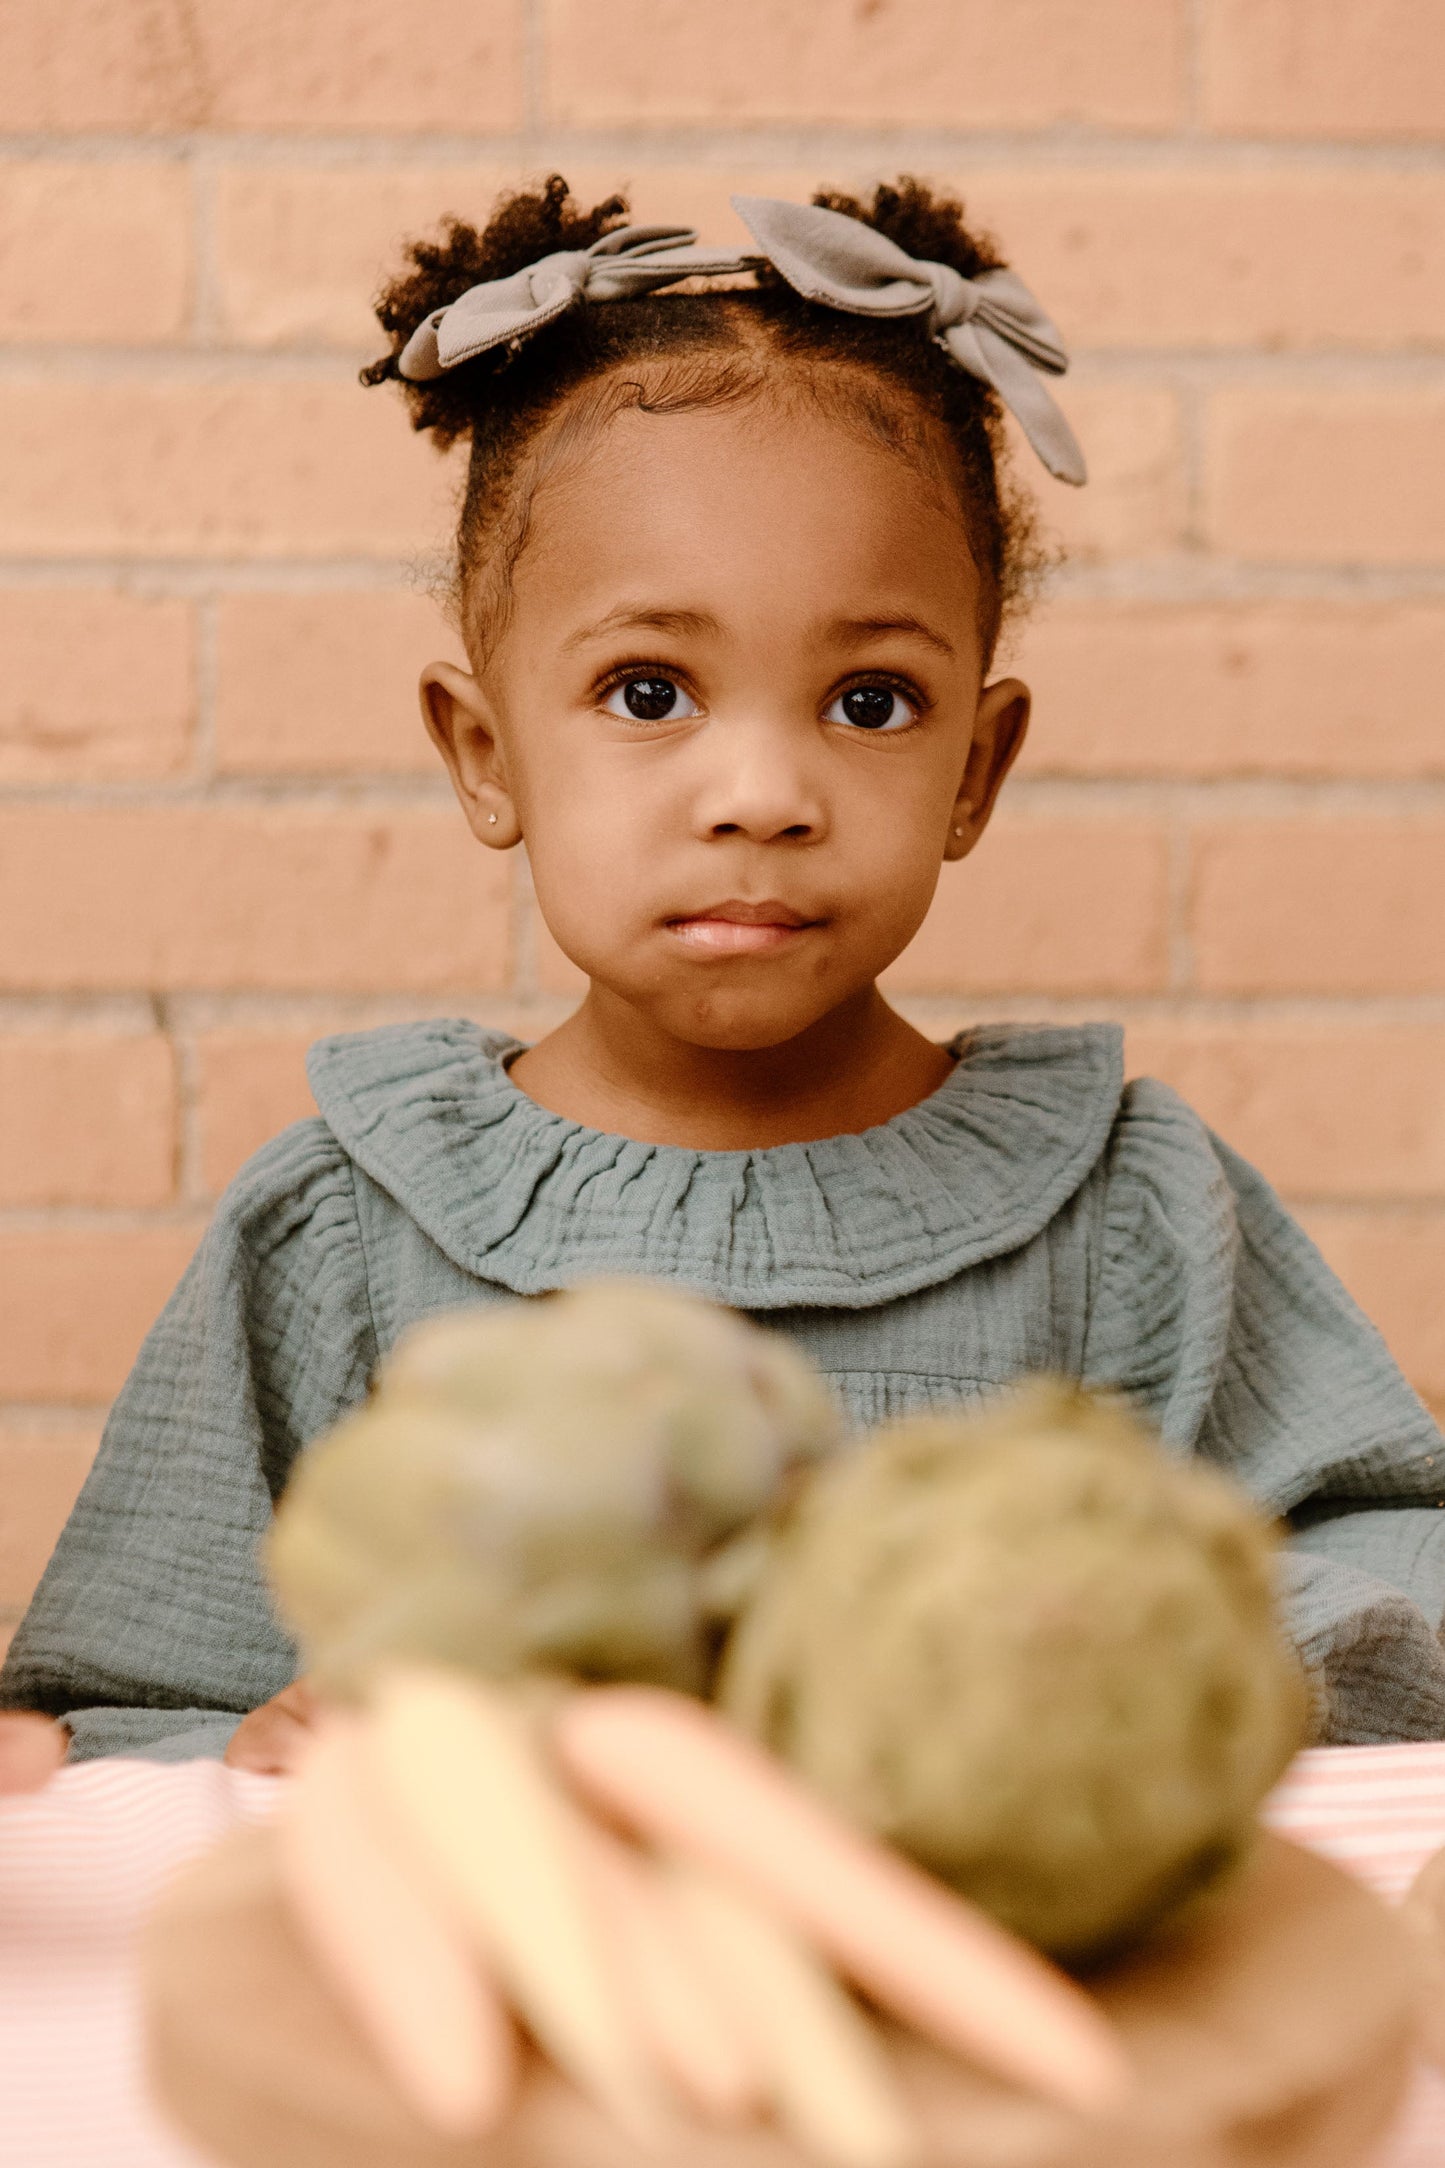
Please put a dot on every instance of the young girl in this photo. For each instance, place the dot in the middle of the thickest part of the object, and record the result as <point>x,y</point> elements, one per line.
<point>731,567</point>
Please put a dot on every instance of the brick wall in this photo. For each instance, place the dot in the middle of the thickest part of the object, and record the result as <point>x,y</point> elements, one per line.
<point>221,832</point>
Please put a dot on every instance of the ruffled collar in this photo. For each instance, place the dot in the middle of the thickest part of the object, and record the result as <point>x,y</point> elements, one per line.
<point>520,1196</point>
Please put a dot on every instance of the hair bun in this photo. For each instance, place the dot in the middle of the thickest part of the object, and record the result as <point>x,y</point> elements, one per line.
<point>523,227</point>
<point>926,223</point>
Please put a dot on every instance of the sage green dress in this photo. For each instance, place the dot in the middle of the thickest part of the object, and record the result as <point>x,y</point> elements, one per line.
<point>1033,1214</point>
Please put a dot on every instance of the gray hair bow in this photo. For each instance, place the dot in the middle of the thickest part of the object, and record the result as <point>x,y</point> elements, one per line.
<point>990,325</point>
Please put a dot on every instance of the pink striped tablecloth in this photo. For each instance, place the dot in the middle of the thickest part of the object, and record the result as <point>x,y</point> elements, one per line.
<point>80,1865</point>
<point>81,1862</point>
<point>1378,1812</point>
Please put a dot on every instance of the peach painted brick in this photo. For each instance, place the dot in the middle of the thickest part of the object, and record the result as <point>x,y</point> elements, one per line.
<point>302,250</point>
<point>260,64</point>
<point>1252,258</point>
<point>952,63</point>
<point>1325,67</point>
<point>1282,688</point>
<point>77,1302</point>
<point>97,64</point>
<point>1047,906</point>
<point>1323,1109</point>
<point>214,469</point>
<point>250,1086</point>
<point>1134,504</point>
<point>286,897</point>
<point>1332,905</point>
<point>92,252</point>
<point>95,686</point>
<point>41,1470</point>
<point>1393,1263</point>
<point>326,684</point>
<point>89,1118</point>
<point>1326,476</point>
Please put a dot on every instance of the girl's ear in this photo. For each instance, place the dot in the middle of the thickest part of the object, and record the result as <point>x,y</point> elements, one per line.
<point>462,726</point>
<point>998,732</point>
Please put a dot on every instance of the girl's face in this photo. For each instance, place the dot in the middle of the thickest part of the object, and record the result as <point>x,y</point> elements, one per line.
<point>735,714</point>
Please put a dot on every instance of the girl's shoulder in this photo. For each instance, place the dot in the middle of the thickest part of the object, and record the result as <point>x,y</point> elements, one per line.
<point>300,1174</point>
<point>369,1085</point>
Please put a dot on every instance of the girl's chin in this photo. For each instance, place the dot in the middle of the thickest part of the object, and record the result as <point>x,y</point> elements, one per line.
<point>743,1004</point>
<point>741,1027</point>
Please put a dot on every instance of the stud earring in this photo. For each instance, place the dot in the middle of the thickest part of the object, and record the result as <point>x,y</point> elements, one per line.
<point>958,831</point>
<point>492,822</point>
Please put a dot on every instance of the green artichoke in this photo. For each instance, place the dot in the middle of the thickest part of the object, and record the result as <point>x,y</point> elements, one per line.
<point>550,1485</point>
<point>1035,1653</point>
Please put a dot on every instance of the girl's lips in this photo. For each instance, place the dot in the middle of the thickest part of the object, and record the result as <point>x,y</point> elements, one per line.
<point>727,937</point>
<point>741,929</point>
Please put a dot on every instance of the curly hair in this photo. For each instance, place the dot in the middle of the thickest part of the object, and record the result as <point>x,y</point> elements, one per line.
<point>674,351</point>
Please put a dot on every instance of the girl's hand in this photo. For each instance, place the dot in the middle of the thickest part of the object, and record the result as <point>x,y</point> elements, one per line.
<point>269,1740</point>
<point>32,1748</point>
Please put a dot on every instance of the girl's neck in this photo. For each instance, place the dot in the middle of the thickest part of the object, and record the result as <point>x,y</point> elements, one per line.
<point>609,1069</point>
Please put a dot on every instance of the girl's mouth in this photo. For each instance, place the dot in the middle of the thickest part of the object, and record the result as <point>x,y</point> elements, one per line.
<point>741,929</point>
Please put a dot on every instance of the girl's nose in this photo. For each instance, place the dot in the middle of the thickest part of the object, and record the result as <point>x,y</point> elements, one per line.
<point>760,787</point>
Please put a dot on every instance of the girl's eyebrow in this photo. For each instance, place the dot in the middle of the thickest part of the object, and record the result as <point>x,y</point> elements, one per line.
<point>645,618</point>
<point>844,630</point>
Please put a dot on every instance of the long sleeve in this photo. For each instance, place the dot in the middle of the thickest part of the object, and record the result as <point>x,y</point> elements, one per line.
<point>151,1631</point>
<point>1215,1310</point>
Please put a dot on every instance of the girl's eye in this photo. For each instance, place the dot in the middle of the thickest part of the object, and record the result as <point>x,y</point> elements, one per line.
<point>872,707</point>
<point>650,700</point>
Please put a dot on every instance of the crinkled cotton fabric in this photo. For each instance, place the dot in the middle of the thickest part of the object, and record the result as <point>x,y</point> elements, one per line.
<point>1034,1213</point>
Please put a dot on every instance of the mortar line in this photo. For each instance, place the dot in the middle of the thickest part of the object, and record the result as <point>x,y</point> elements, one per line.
<point>1242,1012</point>
<point>318,1010</point>
<point>707,147</point>
<point>100,1219</point>
<point>192,1217</point>
<point>314,1010</point>
<point>1404,800</point>
<point>1173,576</point>
<point>152,577</point>
<point>1179,882</point>
<point>190,1189</point>
<point>39,1418</point>
<point>1416,364</point>
<point>122,1016</point>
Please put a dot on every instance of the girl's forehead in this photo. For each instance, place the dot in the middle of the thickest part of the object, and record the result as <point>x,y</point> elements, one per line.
<point>731,501</point>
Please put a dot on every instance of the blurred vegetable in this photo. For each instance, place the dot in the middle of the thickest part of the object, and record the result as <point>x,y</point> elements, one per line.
<point>548,1485</point>
<point>1036,1654</point>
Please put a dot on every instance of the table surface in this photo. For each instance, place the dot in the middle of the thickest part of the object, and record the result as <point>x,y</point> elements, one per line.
<point>81,1862</point>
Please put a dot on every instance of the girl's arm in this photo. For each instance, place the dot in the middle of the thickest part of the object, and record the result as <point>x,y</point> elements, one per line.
<point>1216,1311</point>
<point>31,1750</point>
<point>151,1631</point>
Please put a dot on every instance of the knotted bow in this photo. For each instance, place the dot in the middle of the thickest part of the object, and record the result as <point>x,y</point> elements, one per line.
<point>990,325</point>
